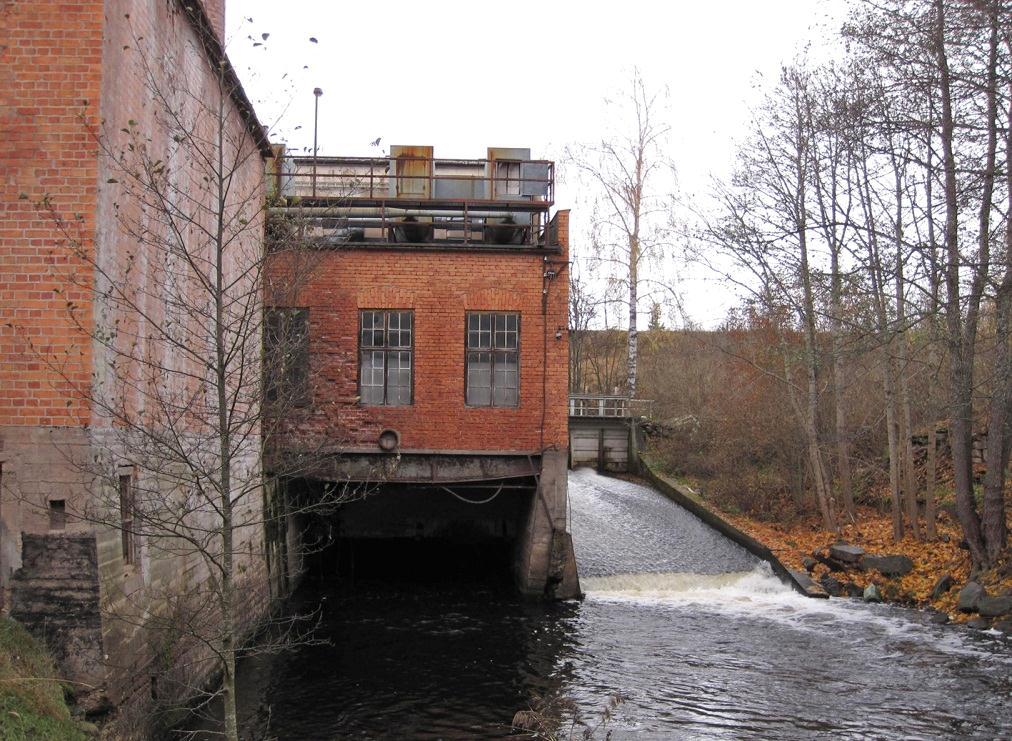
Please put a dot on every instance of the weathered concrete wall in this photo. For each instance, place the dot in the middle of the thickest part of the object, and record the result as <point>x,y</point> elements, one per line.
<point>40,464</point>
<point>729,531</point>
<point>56,597</point>
<point>546,563</point>
<point>73,76</point>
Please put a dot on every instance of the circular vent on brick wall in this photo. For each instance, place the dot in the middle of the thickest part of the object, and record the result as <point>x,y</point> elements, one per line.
<point>389,440</point>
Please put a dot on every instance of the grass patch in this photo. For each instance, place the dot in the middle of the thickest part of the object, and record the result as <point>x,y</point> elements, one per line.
<point>32,704</point>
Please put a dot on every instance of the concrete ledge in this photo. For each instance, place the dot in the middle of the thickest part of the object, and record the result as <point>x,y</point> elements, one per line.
<point>722,526</point>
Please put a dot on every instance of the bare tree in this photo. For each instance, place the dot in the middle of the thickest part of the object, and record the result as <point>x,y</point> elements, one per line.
<point>582,311</point>
<point>765,264</point>
<point>962,310</point>
<point>999,424</point>
<point>949,56</point>
<point>776,172</point>
<point>633,179</point>
<point>194,374</point>
<point>827,107</point>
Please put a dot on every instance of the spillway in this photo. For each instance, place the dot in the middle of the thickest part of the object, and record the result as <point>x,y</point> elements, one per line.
<point>631,539</point>
<point>696,633</point>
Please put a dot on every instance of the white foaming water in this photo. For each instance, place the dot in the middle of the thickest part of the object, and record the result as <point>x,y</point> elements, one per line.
<point>685,587</point>
<point>760,596</point>
<point>620,527</point>
<point>651,540</point>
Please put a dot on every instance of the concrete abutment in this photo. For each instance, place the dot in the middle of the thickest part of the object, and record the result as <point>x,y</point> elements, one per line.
<point>508,529</point>
<point>546,563</point>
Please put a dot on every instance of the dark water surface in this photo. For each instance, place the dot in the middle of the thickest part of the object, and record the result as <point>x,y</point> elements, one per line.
<point>697,653</point>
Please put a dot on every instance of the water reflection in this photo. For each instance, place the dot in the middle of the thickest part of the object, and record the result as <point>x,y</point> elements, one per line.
<point>724,653</point>
<point>434,662</point>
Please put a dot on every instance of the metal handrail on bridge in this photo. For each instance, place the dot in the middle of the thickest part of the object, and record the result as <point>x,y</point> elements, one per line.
<point>607,406</point>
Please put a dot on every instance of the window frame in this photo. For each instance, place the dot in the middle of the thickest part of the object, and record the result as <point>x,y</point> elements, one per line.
<point>57,514</point>
<point>302,396</point>
<point>505,180</point>
<point>386,349</point>
<point>127,491</point>
<point>492,350</point>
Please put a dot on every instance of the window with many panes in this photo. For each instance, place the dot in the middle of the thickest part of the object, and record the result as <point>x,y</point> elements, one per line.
<point>385,347</point>
<point>493,359</point>
<point>507,178</point>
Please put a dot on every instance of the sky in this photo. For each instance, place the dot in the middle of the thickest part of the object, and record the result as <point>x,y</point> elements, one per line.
<point>463,76</point>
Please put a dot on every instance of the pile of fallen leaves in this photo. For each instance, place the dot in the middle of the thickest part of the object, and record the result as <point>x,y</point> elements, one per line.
<point>795,542</point>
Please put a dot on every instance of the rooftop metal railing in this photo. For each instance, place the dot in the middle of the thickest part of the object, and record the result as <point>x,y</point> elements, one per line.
<point>416,200</point>
<point>413,178</point>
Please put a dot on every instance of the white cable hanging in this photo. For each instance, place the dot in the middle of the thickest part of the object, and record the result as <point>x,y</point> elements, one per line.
<point>471,501</point>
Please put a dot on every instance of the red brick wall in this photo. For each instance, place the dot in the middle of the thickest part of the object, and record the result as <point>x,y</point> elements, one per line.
<point>73,74</point>
<point>440,288</point>
<point>215,10</point>
<point>50,74</point>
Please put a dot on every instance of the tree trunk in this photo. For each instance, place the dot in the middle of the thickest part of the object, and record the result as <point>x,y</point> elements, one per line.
<point>892,434</point>
<point>880,301</point>
<point>907,450</point>
<point>828,200</point>
<point>931,465</point>
<point>822,490</point>
<point>633,351</point>
<point>930,482</point>
<point>823,494</point>
<point>995,529</point>
<point>811,427</point>
<point>839,383</point>
<point>227,522</point>
<point>905,447</point>
<point>842,437</point>
<point>999,427</point>
<point>231,718</point>
<point>961,335</point>
<point>812,451</point>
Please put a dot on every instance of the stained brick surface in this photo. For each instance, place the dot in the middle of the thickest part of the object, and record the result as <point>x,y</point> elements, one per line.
<point>440,288</point>
<point>50,73</point>
<point>72,75</point>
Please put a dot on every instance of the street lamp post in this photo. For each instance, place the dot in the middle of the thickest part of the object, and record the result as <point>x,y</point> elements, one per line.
<point>317,92</point>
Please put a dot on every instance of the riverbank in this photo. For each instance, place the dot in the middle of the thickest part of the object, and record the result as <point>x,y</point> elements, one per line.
<point>32,704</point>
<point>803,545</point>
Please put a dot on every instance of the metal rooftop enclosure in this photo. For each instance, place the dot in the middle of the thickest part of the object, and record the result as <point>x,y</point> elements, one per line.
<point>412,198</point>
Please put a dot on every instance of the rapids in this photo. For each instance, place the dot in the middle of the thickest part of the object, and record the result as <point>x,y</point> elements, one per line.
<point>699,637</point>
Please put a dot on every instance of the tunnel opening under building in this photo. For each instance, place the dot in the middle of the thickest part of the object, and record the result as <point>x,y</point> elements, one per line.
<point>453,533</point>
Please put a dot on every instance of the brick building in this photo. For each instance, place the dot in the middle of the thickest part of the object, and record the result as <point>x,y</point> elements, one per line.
<point>435,355</point>
<point>423,319</point>
<point>95,97</point>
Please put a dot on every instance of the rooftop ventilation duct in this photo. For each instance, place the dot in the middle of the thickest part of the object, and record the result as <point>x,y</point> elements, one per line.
<point>411,166</point>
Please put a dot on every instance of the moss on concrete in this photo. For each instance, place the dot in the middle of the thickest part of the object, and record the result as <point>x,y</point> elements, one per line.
<point>32,704</point>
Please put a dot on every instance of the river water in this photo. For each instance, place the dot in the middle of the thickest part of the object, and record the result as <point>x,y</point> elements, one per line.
<point>697,636</point>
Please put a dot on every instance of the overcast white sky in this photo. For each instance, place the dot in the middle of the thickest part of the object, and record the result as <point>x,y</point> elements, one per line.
<point>463,76</point>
